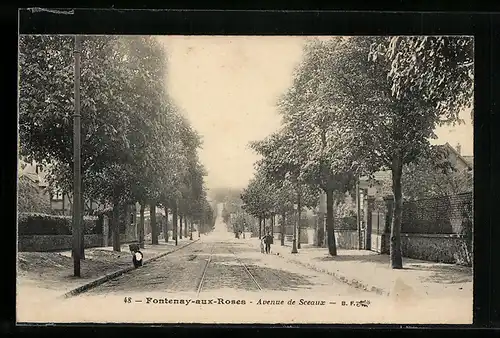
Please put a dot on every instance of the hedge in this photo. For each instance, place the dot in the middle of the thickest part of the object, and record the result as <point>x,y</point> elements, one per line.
<point>43,224</point>
<point>346,223</point>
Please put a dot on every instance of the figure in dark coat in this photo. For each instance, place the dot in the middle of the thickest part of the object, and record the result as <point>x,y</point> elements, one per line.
<point>268,240</point>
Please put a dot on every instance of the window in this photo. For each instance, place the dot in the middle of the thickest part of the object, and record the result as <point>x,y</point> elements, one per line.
<point>131,218</point>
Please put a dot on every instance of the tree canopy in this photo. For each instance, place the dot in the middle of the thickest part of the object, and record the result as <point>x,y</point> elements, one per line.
<point>362,104</point>
<point>137,146</point>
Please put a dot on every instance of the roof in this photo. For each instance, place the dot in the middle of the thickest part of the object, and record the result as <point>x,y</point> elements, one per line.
<point>469,163</point>
<point>28,170</point>
<point>386,175</point>
<point>469,159</point>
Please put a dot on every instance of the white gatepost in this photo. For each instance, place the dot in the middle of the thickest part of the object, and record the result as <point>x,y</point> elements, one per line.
<point>105,230</point>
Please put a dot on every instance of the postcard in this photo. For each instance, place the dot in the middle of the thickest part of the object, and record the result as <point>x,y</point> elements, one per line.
<point>245,179</point>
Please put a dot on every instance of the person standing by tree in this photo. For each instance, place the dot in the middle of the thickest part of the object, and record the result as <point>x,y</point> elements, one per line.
<point>268,240</point>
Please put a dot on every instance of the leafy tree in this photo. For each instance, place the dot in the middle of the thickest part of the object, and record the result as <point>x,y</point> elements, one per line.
<point>325,164</point>
<point>46,95</point>
<point>191,176</point>
<point>258,199</point>
<point>240,222</point>
<point>208,217</point>
<point>131,132</point>
<point>308,150</point>
<point>282,157</point>
<point>284,203</point>
<point>440,68</point>
<point>380,129</point>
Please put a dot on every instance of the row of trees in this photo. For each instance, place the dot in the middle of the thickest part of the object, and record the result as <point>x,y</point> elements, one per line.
<point>136,144</point>
<point>266,197</point>
<point>358,105</point>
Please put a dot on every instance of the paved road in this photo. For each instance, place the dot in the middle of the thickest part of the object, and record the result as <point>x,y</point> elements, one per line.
<point>218,279</point>
<point>213,264</point>
<point>223,280</point>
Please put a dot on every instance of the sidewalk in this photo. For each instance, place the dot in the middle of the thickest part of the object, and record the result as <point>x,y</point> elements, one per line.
<point>371,271</point>
<point>46,275</point>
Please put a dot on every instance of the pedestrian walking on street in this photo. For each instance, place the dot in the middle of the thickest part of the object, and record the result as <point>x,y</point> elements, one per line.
<point>268,240</point>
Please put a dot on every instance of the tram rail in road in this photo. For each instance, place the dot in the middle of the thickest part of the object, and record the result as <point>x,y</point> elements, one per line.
<point>200,284</point>
<point>246,269</point>
<point>241,263</point>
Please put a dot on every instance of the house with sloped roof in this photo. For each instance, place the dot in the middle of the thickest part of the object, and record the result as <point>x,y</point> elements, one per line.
<point>61,203</point>
<point>32,172</point>
<point>380,183</point>
<point>33,192</point>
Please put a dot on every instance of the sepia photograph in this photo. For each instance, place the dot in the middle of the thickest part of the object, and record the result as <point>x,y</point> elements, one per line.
<point>181,179</point>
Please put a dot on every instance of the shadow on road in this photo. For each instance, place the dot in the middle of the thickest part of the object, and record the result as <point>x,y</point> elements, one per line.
<point>444,274</point>
<point>439,272</point>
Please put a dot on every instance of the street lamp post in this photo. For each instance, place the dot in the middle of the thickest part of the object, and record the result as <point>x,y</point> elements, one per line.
<point>358,213</point>
<point>77,200</point>
<point>294,241</point>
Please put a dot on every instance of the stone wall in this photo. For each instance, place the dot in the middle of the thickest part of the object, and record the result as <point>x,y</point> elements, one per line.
<point>434,229</point>
<point>54,242</point>
<point>442,248</point>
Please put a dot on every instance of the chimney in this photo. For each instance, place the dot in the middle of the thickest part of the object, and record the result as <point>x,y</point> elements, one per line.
<point>459,149</point>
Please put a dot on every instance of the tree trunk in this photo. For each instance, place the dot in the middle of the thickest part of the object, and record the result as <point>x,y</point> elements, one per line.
<point>264,226</point>
<point>395,247</point>
<point>260,227</point>
<point>115,223</point>
<point>165,226</point>
<point>185,226</point>
<point>180,226</point>
<point>332,247</point>
<point>321,229</point>
<point>174,222</point>
<point>283,218</point>
<point>140,230</point>
<point>272,224</point>
<point>154,226</point>
<point>123,219</point>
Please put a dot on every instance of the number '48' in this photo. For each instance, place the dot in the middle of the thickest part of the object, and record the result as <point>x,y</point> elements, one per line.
<point>128,300</point>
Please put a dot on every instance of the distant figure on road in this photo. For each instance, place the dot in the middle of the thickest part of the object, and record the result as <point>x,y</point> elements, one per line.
<point>268,240</point>
<point>262,244</point>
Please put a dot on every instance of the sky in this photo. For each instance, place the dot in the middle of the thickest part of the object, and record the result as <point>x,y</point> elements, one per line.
<point>228,88</point>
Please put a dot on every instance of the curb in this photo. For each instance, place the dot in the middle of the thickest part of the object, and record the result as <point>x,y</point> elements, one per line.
<point>352,282</point>
<point>105,278</point>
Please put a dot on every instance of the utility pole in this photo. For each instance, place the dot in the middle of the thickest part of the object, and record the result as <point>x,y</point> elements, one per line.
<point>299,210</point>
<point>77,175</point>
<point>358,213</point>
<point>294,241</point>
